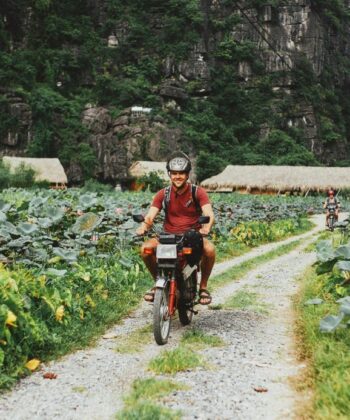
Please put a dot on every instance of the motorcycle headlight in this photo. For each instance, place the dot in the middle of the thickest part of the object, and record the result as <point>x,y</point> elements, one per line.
<point>166,251</point>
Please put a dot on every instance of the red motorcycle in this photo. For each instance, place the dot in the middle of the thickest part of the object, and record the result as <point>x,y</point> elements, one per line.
<point>178,261</point>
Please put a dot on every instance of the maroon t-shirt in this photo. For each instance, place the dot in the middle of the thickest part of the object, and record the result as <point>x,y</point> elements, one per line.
<point>182,213</point>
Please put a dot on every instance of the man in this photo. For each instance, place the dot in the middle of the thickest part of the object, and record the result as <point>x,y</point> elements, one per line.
<point>182,208</point>
<point>331,201</point>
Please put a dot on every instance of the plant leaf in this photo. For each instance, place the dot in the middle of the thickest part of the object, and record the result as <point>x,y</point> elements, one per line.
<point>86,223</point>
<point>32,364</point>
<point>345,308</point>
<point>343,265</point>
<point>316,301</point>
<point>330,322</point>
<point>27,228</point>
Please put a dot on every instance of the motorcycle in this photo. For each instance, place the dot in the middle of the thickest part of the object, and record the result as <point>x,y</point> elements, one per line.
<point>331,220</point>
<point>178,261</point>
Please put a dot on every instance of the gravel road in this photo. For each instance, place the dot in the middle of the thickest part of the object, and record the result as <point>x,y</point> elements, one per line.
<point>259,352</point>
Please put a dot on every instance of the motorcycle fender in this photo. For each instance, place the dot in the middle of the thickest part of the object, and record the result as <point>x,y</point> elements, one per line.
<point>161,283</point>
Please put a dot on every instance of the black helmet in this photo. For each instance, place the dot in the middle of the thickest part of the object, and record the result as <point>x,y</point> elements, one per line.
<point>179,161</point>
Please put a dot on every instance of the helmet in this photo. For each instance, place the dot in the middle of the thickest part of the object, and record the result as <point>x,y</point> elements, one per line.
<point>179,161</point>
<point>330,191</point>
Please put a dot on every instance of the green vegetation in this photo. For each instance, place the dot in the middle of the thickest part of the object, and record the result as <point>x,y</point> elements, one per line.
<point>56,59</point>
<point>21,177</point>
<point>171,361</point>
<point>326,353</point>
<point>198,339</point>
<point>245,299</point>
<point>151,389</point>
<point>151,182</point>
<point>140,404</point>
<point>135,340</point>
<point>71,267</point>
<point>148,411</point>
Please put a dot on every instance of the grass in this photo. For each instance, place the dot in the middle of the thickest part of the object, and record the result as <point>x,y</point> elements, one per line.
<point>234,248</point>
<point>240,270</point>
<point>198,339</point>
<point>245,299</point>
<point>140,403</point>
<point>148,411</point>
<point>179,359</point>
<point>327,355</point>
<point>134,341</point>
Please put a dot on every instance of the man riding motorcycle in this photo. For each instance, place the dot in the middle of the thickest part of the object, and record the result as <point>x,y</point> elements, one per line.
<point>331,201</point>
<point>182,203</point>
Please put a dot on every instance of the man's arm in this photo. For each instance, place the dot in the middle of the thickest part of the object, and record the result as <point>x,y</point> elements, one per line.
<point>207,210</point>
<point>149,219</point>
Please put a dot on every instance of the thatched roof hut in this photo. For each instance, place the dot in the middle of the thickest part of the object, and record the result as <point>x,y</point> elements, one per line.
<point>278,179</point>
<point>145,167</point>
<point>46,169</point>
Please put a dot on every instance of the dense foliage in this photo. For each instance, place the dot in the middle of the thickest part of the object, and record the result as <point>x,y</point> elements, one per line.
<point>69,260</point>
<point>54,55</point>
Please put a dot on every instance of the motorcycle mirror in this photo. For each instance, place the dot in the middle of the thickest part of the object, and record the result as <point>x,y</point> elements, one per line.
<point>138,218</point>
<point>203,220</point>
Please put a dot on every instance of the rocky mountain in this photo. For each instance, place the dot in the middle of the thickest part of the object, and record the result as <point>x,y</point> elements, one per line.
<point>100,83</point>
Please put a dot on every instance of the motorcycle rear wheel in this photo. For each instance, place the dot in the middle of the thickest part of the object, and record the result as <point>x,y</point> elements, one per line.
<point>185,307</point>
<point>161,316</point>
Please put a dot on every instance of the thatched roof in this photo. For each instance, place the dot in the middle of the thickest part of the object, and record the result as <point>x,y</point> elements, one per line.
<point>145,167</point>
<point>278,178</point>
<point>46,169</point>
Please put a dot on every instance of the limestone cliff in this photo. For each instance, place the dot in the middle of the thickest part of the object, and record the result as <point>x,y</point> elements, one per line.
<point>293,55</point>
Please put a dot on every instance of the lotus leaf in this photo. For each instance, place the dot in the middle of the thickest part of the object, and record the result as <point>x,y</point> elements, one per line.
<point>4,234</point>
<point>9,228</point>
<point>2,217</point>
<point>128,225</point>
<point>54,213</point>
<point>86,201</point>
<point>316,301</point>
<point>27,228</point>
<point>343,265</point>
<point>4,207</point>
<point>19,243</point>
<point>343,252</point>
<point>345,299</point>
<point>330,322</point>
<point>44,222</point>
<point>345,308</point>
<point>66,254</point>
<point>86,223</point>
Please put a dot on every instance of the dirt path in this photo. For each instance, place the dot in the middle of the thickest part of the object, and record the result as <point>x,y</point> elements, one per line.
<point>258,353</point>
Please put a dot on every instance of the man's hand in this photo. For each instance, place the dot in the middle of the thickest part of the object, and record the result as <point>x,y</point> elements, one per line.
<point>204,230</point>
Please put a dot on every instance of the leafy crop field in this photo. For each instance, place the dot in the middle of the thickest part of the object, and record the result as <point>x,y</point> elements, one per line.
<point>70,264</point>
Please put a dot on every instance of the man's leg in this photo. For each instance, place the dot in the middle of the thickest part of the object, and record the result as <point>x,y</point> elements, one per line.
<point>327,218</point>
<point>150,259</point>
<point>207,263</point>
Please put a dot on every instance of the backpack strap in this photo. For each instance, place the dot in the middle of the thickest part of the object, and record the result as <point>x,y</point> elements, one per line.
<point>194,189</point>
<point>166,199</point>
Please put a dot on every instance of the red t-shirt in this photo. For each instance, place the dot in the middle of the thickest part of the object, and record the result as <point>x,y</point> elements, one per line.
<point>182,214</point>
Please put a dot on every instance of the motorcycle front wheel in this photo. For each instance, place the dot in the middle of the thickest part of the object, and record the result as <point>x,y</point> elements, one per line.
<point>185,306</point>
<point>161,316</point>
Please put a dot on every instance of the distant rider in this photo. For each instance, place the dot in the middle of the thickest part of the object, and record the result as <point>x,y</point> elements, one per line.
<point>331,201</point>
<point>182,208</point>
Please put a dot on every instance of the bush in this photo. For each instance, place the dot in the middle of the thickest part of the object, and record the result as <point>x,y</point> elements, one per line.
<point>21,177</point>
<point>152,182</point>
